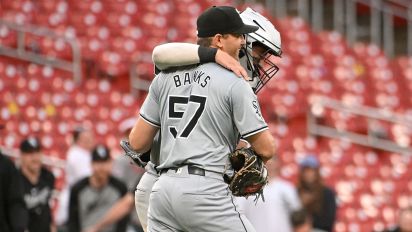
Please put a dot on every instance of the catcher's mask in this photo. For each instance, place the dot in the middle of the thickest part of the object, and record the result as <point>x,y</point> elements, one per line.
<point>261,46</point>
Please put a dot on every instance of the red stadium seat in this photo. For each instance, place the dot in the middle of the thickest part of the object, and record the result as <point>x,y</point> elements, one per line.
<point>8,37</point>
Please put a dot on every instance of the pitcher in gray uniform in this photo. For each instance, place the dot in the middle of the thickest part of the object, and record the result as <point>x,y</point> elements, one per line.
<point>202,111</point>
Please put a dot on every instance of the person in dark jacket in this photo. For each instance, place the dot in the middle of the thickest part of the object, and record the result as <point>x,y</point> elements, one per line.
<point>13,213</point>
<point>317,198</point>
<point>93,196</point>
<point>38,183</point>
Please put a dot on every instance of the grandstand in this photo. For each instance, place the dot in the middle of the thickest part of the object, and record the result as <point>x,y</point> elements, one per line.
<point>66,62</point>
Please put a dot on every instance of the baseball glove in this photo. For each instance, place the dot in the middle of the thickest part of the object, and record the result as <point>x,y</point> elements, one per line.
<point>250,174</point>
<point>140,159</point>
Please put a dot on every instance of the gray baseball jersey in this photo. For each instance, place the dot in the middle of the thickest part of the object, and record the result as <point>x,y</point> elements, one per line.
<point>202,112</point>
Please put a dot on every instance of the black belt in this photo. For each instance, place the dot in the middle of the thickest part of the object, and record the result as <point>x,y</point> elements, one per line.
<point>190,169</point>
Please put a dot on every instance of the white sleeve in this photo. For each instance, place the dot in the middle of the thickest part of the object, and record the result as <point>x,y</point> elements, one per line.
<point>78,166</point>
<point>292,197</point>
<point>175,54</point>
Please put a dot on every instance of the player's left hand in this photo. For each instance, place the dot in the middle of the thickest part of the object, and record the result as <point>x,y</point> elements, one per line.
<point>250,173</point>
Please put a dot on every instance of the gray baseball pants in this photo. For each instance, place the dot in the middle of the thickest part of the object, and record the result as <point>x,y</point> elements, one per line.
<point>194,203</point>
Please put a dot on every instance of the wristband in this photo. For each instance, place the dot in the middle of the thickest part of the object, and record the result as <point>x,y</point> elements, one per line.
<point>206,54</point>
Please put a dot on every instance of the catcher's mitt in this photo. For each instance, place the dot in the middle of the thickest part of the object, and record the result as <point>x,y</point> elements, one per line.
<point>140,159</point>
<point>250,174</point>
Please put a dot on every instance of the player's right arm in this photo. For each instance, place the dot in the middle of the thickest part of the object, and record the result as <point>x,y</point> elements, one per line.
<point>143,132</point>
<point>142,135</point>
<point>178,54</point>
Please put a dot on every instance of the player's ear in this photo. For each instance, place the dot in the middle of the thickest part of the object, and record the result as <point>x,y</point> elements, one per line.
<point>217,40</point>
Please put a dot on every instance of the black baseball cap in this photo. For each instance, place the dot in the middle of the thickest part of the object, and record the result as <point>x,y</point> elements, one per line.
<point>100,153</point>
<point>222,20</point>
<point>30,145</point>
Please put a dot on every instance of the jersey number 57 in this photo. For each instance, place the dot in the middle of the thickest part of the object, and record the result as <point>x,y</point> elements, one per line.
<point>173,100</point>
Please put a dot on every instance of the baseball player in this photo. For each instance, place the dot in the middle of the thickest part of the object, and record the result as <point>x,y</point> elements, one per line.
<point>201,110</point>
<point>175,54</point>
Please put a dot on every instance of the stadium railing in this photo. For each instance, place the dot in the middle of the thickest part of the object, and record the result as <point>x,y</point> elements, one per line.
<point>20,51</point>
<point>317,128</point>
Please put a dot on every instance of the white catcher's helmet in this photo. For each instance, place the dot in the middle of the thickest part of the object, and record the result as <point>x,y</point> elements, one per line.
<point>260,69</point>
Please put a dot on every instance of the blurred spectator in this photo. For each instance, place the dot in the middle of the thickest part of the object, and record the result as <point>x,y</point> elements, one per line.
<point>119,210</point>
<point>130,174</point>
<point>318,199</point>
<point>301,221</point>
<point>377,130</point>
<point>127,172</point>
<point>91,197</point>
<point>13,213</point>
<point>405,221</point>
<point>34,47</point>
<point>281,199</point>
<point>78,166</point>
<point>38,185</point>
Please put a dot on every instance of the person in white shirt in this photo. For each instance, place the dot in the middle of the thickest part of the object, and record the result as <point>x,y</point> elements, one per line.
<point>281,199</point>
<point>78,156</point>
<point>78,166</point>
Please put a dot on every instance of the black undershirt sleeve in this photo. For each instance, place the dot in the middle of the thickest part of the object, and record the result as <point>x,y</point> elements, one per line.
<point>206,54</point>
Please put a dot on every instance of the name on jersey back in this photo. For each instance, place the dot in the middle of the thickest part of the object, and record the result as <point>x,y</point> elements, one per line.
<point>187,78</point>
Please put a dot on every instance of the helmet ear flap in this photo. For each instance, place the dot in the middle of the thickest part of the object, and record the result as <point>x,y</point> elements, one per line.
<point>246,60</point>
